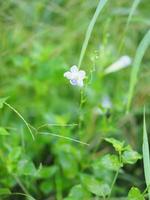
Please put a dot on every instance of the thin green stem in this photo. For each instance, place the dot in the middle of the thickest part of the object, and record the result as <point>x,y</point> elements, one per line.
<point>21,194</point>
<point>113,183</point>
<point>57,125</point>
<point>21,185</point>
<point>82,100</point>
<point>26,123</point>
<point>64,137</point>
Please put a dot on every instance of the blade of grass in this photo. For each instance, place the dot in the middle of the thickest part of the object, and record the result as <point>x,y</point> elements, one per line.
<point>132,11</point>
<point>146,156</point>
<point>56,125</point>
<point>22,187</point>
<point>21,194</point>
<point>64,137</point>
<point>133,8</point>
<point>136,66</point>
<point>90,29</point>
<point>26,123</point>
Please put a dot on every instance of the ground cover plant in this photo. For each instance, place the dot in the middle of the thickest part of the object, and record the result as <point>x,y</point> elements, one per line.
<point>74,100</point>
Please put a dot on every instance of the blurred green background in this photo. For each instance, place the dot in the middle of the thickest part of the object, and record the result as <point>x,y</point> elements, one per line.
<point>39,41</point>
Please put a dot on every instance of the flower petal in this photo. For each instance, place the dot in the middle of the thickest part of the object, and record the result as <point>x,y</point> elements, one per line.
<point>74,68</point>
<point>68,75</point>
<point>74,82</point>
<point>80,83</point>
<point>82,74</point>
<point>121,63</point>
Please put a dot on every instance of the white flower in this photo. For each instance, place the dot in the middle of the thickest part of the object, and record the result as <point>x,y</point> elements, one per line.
<point>75,76</point>
<point>121,63</point>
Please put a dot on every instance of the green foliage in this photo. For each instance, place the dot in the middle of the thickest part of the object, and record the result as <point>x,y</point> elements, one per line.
<point>4,191</point>
<point>94,186</point>
<point>111,162</point>
<point>146,155</point>
<point>119,146</point>
<point>2,101</point>
<point>126,155</point>
<point>90,29</point>
<point>3,131</point>
<point>135,194</point>
<point>130,156</point>
<point>78,192</point>
<point>143,46</point>
<point>66,157</point>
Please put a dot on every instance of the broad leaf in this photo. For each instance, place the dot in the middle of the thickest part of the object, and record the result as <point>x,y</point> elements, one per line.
<point>135,194</point>
<point>111,162</point>
<point>78,192</point>
<point>130,156</point>
<point>94,186</point>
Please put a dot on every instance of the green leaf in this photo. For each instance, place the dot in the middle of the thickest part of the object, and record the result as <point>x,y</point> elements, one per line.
<point>146,156</point>
<point>12,159</point>
<point>47,172</point>
<point>3,131</point>
<point>69,165</point>
<point>136,65</point>
<point>135,194</point>
<point>111,162</point>
<point>15,154</point>
<point>4,191</point>
<point>130,156</point>
<point>78,192</point>
<point>27,168</point>
<point>2,101</point>
<point>46,186</point>
<point>94,186</point>
<point>119,146</point>
<point>100,171</point>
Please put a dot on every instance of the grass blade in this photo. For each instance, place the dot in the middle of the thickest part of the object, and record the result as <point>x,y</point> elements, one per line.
<point>132,11</point>
<point>146,156</point>
<point>136,65</point>
<point>21,117</point>
<point>64,137</point>
<point>90,29</point>
<point>133,8</point>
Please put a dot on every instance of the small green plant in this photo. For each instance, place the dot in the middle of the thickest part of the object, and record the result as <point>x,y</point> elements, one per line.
<point>76,139</point>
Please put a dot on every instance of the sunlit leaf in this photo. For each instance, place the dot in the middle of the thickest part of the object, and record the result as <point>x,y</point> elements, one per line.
<point>119,146</point>
<point>130,156</point>
<point>111,162</point>
<point>135,194</point>
<point>3,131</point>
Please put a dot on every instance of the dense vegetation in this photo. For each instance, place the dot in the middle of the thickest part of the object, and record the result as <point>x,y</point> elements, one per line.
<point>59,141</point>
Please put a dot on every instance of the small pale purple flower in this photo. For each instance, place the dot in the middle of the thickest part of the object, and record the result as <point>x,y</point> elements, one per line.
<point>75,76</point>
